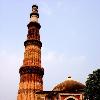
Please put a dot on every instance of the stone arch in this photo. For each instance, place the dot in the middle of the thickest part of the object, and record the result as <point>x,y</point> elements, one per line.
<point>71,98</point>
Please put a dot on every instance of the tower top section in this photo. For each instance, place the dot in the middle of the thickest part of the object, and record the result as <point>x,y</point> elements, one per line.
<point>34,15</point>
<point>35,6</point>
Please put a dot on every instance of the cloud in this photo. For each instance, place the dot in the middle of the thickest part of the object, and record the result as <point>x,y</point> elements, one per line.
<point>59,4</point>
<point>9,76</point>
<point>52,57</point>
<point>59,66</point>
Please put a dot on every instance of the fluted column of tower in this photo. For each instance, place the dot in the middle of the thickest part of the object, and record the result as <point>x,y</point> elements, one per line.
<point>31,72</point>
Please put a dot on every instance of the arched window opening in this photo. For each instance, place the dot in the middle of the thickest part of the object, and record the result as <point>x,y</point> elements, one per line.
<point>70,99</point>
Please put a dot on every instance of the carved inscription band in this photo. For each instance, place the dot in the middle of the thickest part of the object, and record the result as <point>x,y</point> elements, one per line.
<point>31,70</point>
<point>34,24</point>
<point>33,42</point>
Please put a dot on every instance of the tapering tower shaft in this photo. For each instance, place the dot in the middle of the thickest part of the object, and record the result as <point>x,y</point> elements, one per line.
<point>31,72</point>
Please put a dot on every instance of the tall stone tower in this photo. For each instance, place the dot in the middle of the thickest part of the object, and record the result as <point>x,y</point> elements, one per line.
<point>31,72</point>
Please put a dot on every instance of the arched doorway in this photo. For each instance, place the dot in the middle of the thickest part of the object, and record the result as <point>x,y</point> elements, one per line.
<point>70,99</point>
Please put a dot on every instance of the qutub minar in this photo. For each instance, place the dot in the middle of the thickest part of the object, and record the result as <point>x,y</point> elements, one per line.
<point>31,72</point>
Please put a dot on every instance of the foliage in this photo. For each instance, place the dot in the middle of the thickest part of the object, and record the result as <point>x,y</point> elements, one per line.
<point>92,90</point>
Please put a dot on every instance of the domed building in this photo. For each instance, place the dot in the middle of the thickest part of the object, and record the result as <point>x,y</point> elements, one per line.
<point>69,85</point>
<point>67,90</point>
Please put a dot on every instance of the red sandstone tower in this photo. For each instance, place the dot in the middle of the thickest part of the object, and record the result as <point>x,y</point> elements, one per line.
<point>31,72</point>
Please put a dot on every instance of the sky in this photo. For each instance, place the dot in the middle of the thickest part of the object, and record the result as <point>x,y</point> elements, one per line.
<point>70,34</point>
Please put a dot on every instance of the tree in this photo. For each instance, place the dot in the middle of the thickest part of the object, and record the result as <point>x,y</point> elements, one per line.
<point>92,90</point>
